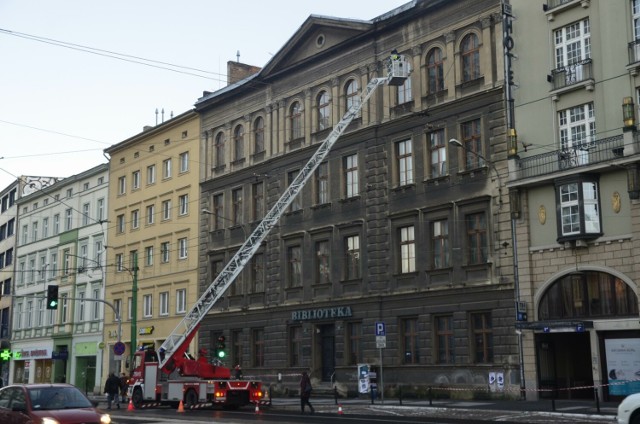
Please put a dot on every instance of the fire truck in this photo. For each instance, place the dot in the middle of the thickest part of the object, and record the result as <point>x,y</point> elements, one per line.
<point>171,375</point>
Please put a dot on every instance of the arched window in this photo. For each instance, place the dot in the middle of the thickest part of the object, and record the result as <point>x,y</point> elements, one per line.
<point>238,143</point>
<point>258,135</point>
<point>351,94</point>
<point>588,294</point>
<point>295,115</point>
<point>470,52</point>
<point>324,111</point>
<point>219,149</point>
<point>435,73</point>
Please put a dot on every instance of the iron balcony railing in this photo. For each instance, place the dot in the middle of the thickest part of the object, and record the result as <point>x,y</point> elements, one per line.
<point>576,156</point>
<point>575,73</point>
<point>556,3</point>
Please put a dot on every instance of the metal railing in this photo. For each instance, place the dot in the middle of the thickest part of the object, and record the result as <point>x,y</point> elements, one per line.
<point>575,73</point>
<point>579,155</point>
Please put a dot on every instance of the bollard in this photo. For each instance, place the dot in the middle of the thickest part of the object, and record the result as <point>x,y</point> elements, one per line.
<point>430,397</point>
<point>595,391</point>
<point>335,394</point>
<point>400,394</point>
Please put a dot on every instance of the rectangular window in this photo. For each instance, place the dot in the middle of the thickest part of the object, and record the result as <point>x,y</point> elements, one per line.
<point>34,231</point>
<point>164,303</point>
<point>25,234</point>
<point>181,301</point>
<point>351,176</point>
<point>166,168</point>
<point>81,306</point>
<point>56,224</point>
<point>182,248</point>
<point>147,305</point>
<point>164,252</point>
<point>166,210</point>
<point>53,272</point>
<point>579,208</point>
<point>117,305</point>
<point>352,258</point>
<point>82,260</point>
<point>65,308</point>
<point>120,224</point>
<point>257,273</point>
<point>440,243</point>
<point>119,262</point>
<point>577,127</point>
<point>294,266</point>
<point>572,48</point>
<point>257,341</point>
<point>407,249</point>
<point>236,346</point>
<point>184,162</point>
<point>135,219</point>
<point>323,269</point>
<point>404,92</point>
<point>151,210</point>
<point>477,243</point>
<point>85,214</point>
<point>296,204</point>
<point>438,154</point>
<point>218,212</point>
<point>322,184</point>
<point>135,180</point>
<point>100,210</point>
<point>236,204</point>
<point>482,337</point>
<point>129,309</point>
<point>148,255</point>
<point>354,343</point>
<point>66,262</point>
<point>95,306</point>
<point>122,185</point>
<point>183,204</point>
<point>295,346</point>
<point>472,142</point>
<point>151,174</point>
<point>445,346</point>
<point>68,219</point>
<point>258,201</point>
<point>405,162</point>
<point>409,328</point>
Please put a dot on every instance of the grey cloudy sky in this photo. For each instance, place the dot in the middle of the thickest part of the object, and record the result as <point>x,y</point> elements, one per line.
<point>64,97</point>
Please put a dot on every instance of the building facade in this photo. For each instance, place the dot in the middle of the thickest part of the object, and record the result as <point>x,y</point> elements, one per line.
<point>152,254</point>
<point>576,176</point>
<point>399,226</point>
<point>61,237</point>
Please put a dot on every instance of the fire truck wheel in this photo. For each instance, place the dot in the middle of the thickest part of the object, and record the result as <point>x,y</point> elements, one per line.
<point>136,398</point>
<point>190,398</point>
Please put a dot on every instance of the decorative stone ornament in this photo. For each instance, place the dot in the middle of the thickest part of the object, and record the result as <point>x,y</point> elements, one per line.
<point>542,215</point>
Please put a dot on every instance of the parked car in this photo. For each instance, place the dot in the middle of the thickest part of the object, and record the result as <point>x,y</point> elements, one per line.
<point>629,410</point>
<point>48,404</point>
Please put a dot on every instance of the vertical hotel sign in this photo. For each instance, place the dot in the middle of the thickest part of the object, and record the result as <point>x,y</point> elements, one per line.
<point>509,44</point>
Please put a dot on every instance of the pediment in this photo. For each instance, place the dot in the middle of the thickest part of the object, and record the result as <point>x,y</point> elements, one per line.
<point>315,36</point>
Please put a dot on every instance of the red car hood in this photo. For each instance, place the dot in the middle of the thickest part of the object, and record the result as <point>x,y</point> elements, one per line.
<point>71,416</point>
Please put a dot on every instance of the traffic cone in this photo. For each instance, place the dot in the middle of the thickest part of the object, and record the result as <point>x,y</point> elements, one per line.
<point>339,409</point>
<point>130,407</point>
<point>181,407</point>
<point>257,408</point>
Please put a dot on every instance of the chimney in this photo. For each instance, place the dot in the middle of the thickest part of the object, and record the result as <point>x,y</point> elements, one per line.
<point>237,71</point>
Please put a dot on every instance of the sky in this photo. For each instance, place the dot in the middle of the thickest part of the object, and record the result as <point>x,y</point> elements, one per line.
<point>78,76</point>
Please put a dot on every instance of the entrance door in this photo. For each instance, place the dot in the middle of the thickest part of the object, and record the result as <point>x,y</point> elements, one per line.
<point>328,349</point>
<point>564,364</point>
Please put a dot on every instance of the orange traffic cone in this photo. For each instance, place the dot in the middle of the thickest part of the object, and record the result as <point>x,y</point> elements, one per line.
<point>340,409</point>
<point>257,408</point>
<point>181,407</point>
<point>130,407</point>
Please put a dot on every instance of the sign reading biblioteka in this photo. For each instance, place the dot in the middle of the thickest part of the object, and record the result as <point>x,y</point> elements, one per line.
<point>322,313</point>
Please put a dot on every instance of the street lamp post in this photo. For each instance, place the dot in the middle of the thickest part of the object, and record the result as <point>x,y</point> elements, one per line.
<point>514,243</point>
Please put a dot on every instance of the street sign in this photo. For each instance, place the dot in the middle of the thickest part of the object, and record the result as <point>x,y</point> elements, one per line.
<point>380,330</point>
<point>119,348</point>
<point>381,342</point>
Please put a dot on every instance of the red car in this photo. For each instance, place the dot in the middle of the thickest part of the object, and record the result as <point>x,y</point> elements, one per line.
<point>48,404</point>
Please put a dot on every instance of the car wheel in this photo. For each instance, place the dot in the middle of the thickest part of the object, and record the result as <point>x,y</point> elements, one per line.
<point>136,398</point>
<point>190,398</point>
<point>635,418</point>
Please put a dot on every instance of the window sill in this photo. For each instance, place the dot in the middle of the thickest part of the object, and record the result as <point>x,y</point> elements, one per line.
<point>350,199</point>
<point>320,206</point>
<point>403,188</point>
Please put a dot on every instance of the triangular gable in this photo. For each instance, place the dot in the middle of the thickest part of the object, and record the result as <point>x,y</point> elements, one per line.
<point>316,35</point>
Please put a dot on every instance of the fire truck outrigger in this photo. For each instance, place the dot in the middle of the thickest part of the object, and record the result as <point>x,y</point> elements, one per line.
<point>172,375</point>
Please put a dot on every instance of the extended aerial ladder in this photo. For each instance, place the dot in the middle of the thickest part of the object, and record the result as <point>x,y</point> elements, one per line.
<point>176,344</point>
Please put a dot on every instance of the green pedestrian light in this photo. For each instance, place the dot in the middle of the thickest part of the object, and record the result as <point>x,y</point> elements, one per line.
<point>52,297</point>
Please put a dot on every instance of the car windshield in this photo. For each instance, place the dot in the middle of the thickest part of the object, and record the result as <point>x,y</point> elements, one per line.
<point>48,398</point>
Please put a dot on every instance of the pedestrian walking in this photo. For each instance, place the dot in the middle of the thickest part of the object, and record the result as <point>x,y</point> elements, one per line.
<point>305,392</point>
<point>112,390</point>
<point>124,385</point>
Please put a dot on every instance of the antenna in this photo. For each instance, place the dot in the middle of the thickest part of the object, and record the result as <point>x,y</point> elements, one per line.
<point>238,56</point>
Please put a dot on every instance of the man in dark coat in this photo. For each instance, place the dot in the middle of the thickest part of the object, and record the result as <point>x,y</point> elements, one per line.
<point>112,389</point>
<point>305,392</point>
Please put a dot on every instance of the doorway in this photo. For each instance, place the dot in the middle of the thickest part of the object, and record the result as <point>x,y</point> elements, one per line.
<point>564,365</point>
<point>327,339</point>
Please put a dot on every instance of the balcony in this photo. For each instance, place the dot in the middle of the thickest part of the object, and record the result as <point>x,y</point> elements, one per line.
<point>572,76</point>
<point>634,57</point>
<point>578,156</point>
<point>553,7</point>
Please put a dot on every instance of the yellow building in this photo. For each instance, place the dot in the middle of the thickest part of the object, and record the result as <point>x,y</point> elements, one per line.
<point>152,235</point>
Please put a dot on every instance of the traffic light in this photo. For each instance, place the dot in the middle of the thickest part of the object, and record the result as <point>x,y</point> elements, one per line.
<point>52,297</point>
<point>220,348</point>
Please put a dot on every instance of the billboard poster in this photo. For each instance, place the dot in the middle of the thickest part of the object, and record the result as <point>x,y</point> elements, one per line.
<point>363,378</point>
<point>623,366</point>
